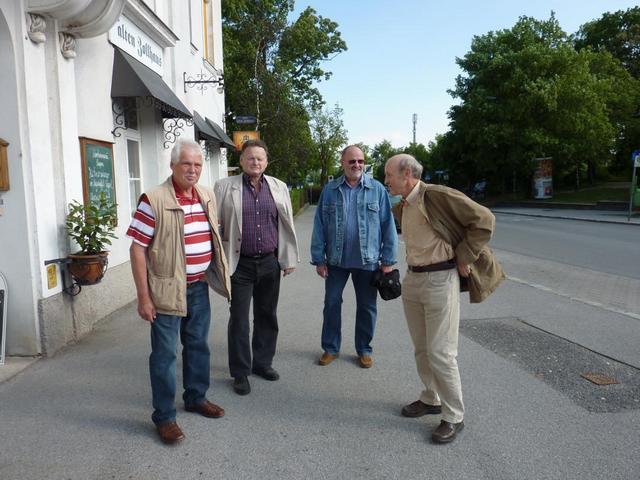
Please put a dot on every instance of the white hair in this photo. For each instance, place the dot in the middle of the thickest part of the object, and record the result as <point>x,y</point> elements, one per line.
<point>176,151</point>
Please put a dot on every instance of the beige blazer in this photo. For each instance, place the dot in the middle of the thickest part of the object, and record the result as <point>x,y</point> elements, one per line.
<point>228,192</point>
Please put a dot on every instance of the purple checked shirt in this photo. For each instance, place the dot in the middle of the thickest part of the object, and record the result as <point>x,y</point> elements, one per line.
<point>259,219</point>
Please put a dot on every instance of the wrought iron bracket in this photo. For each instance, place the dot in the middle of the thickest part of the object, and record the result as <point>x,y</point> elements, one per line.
<point>74,288</point>
<point>173,129</point>
<point>201,81</point>
<point>122,110</point>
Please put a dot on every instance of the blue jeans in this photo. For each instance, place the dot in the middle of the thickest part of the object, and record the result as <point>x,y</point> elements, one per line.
<point>194,335</point>
<point>366,310</point>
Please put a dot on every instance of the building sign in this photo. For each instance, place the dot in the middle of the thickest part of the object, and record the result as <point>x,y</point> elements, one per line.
<point>128,37</point>
<point>240,137</point>
<point>542,178</point>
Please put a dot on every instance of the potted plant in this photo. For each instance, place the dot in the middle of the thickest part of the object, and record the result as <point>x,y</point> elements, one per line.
<point>91,227</point>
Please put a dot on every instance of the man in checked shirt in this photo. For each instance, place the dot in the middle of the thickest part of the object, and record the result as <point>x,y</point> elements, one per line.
<point>175,251</point>
<point>258,236</point>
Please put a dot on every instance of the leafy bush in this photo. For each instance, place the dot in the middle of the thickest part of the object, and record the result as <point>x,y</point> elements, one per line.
<point>91,226</point>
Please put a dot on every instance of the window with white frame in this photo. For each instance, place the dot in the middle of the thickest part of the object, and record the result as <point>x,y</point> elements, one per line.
<point>135,173</point>
<point>208,31</point>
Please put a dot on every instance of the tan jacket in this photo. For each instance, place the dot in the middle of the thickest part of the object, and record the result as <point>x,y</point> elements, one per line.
<point>229,195</point>
<point>166,258</point>
<point>468,227</point>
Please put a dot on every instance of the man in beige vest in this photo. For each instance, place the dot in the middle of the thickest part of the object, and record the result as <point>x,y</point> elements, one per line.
<point>445,233</point>
<point>175,252</point>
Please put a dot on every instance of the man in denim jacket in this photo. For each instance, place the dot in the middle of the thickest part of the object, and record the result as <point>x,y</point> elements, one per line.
<point>353,234</point>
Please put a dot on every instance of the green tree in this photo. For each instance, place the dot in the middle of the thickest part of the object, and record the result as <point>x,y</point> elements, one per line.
<point>271,66</point>
<point>329,135</point>
<point>380,153</point>
<point>618,34</point>
<point>525,93</point>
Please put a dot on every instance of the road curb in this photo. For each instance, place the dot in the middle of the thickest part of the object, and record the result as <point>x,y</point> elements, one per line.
<point>562,217</point>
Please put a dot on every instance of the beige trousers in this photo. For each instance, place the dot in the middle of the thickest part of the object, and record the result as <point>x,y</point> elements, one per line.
<point>432,307</point>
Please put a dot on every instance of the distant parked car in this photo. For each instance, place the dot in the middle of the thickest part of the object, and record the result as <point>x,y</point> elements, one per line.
<point>479,190</point>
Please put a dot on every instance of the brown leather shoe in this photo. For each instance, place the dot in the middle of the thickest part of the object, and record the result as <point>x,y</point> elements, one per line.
<point>419,408</point>
<point>327,358</point>
<point>170,433</point>
<point>365,361</point>
<point>446,432</point>
<point>207,409</point>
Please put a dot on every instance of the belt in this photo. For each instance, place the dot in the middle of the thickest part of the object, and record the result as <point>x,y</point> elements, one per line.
<point>193,284</point>
<point>433,267</point>
<point>259,256</point>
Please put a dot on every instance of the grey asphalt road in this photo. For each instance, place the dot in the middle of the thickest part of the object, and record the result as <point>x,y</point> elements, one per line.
<point>84,414</point>
<point>605,247</point>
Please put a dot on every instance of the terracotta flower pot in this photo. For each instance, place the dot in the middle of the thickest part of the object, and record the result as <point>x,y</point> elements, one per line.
<point>88,269</point>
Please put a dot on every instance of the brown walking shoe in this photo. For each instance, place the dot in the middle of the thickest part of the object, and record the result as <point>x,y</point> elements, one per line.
<point>419,408</point>
<point>207,409</point>
<point>446,432</point>
<point>365,361</point>
<point>170,433</point>
<point>327,358</point>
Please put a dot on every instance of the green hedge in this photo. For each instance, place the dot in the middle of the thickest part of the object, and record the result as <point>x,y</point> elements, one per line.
<point>298,199</point>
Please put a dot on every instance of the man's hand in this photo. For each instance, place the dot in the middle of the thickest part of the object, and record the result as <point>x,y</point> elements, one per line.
<point>288,271</point>
<point>322,270</point>
<point>386,268</point>
<point>463,269</point>
<point>147,310</point>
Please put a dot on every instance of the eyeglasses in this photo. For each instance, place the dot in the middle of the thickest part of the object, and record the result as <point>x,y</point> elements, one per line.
<point>354,161</point>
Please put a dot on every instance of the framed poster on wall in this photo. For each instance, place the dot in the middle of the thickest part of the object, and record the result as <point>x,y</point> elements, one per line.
<point>97,171</point>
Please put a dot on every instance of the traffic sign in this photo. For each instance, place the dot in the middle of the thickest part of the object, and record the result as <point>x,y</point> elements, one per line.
<point>244,119</point>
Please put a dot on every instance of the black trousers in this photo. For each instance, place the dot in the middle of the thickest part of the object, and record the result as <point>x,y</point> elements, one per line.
<point>256,279</point>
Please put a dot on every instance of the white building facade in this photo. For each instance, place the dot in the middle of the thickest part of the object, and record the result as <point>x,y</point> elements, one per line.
<point>121,77</point>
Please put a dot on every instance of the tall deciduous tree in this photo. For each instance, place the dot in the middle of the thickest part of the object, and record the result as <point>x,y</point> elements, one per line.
<point>271,66</point>
<point>618,33</point>
<point>525,93</point>
<point>329,135</point>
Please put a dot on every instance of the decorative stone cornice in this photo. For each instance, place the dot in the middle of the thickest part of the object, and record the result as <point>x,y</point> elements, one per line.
<point>67,45</point>
<point>81,18</point>
<point>94,20</point>
<point>36,26</point>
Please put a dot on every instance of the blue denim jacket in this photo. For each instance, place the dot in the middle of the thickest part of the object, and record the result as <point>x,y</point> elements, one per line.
<point>378,237</point>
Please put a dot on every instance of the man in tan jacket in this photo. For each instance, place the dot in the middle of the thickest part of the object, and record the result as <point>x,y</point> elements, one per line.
<point>259,238</point>
<point>175,251</point>
<point>445,234</point>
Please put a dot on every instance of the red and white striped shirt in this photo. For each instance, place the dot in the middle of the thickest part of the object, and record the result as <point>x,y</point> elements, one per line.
<point>197,233</point>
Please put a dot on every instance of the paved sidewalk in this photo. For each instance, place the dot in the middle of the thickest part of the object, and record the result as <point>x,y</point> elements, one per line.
<point>85,413</point>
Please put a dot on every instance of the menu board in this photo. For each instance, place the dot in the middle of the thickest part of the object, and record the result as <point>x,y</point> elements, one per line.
<point>97,170</point>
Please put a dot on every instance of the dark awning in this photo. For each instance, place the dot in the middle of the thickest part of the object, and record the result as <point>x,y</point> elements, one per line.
<point>222,136</point>
<point>204,131</point>
<point>132,79</point>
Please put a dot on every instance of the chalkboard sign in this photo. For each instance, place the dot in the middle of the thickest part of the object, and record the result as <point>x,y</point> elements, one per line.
<point>97,170</point>
<point>3,316</point>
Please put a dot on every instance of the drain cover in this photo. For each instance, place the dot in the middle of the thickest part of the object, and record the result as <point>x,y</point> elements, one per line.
<point>599,378</point>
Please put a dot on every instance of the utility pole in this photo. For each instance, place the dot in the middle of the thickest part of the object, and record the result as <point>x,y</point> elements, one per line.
<point>415,120</point>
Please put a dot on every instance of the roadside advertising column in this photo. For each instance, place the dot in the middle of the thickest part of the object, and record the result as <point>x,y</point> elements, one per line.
<point>542,178</point>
